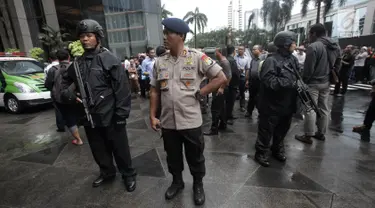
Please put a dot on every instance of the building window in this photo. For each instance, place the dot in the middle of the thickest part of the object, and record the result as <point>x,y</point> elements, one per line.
<point>360,15</point>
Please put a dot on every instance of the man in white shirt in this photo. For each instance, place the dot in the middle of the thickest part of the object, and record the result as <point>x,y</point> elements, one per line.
<point>300,55</point>
<point>126,63</point>
<point>359,65</point>
<point>54,62</point>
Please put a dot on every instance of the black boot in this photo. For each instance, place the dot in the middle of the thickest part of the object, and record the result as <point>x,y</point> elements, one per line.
<point>280,156</point>
<point>222,125</point>
<point>175,188</point>
<point>130,183</point>
<point>199,196</point>
<point>262,159</point>
<point>103,179</point>
<point>211,132</point>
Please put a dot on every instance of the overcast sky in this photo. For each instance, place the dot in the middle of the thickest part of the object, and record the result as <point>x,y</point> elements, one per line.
<point>215,10</point>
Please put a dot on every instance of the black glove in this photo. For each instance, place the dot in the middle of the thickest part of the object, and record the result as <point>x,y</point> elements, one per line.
<point>120,122</point>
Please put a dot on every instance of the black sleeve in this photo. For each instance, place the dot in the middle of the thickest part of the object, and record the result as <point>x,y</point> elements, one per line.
<point>121,88</point>
<point>69,94</point>
<point>50,79</point>
<point>273,79</point>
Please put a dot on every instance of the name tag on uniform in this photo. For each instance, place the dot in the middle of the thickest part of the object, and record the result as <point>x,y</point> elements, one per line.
<point>163,75</point>
<point>187,74</point>
<point>188,68</point>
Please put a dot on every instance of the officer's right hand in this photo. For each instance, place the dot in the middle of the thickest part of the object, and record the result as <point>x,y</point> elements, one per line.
<point>155,124</point>
<point>247,84</point>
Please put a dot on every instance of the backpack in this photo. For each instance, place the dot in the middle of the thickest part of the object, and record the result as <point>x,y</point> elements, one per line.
<point>236,74</point>
<point>58,86</point>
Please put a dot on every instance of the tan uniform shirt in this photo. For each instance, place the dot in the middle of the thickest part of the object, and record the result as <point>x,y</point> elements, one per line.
<point>178,81</point>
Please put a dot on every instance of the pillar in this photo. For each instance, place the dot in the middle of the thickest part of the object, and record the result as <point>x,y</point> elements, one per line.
<point>50,14</point>
<point>21,27</point>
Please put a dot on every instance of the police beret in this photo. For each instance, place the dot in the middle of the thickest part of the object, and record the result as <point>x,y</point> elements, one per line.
<point>176,25</point>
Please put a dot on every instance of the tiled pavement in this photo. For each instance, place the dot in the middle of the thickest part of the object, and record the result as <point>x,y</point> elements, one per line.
<point>41,168</point>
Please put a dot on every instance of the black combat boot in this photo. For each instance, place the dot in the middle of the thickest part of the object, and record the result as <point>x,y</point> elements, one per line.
<point>199,196</point>
<point>175,188</point>
<point>262,159</point>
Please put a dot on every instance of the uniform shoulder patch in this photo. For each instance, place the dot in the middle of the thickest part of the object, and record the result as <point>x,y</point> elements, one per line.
<point>207,59</point>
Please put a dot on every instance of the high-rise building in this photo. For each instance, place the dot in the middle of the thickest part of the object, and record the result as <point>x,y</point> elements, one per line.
<point>230,14</point>
<point>240,15</point>
<point>129,25</point>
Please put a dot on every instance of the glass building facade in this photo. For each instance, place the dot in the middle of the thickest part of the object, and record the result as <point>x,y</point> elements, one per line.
<point>126,23</point>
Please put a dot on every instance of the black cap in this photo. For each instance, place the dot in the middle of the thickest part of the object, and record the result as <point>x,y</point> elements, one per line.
<point>176,25</point>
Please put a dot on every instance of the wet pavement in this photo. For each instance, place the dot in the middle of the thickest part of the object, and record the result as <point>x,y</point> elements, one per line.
<point>41,168</point>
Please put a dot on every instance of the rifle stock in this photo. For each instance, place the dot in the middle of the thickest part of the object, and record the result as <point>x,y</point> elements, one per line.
<point>82,90</point>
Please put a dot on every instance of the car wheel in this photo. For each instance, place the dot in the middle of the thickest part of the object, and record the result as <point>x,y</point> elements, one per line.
<point>12,104</point>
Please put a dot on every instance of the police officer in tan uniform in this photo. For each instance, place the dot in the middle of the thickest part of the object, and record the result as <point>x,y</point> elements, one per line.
<point>176,79</point>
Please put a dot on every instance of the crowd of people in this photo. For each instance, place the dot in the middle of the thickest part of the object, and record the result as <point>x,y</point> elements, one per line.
<point>172,76</point>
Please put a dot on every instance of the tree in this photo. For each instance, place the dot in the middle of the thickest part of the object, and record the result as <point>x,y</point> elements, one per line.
<point>198,19</point>
<point>215,38</point>
<point>250,21</point>
<point>53,39</point>
<point>165,13</point>
<point>36,53</point>
<point>318,3</point>
<point>277,13</point>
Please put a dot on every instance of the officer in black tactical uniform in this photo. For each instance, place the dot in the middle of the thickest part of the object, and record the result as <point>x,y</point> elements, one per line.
<point>111,102</point>
<point>277,98</point>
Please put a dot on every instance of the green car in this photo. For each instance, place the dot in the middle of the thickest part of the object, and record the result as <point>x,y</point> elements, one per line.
<point>22,84</point>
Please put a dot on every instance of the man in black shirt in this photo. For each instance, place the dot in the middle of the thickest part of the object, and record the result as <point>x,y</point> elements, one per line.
<point>347,64</point>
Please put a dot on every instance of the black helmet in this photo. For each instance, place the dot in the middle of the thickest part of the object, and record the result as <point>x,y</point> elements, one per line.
<point>284,39</point>
<point>271,48</point>
<point>90,26</point>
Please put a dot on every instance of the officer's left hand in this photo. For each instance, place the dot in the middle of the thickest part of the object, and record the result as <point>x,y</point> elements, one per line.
<point>220,91</point>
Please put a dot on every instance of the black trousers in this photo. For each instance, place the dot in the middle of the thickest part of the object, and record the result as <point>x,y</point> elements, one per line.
<point>230,99</point>
<point>370,114</point>
<point>193,142</point>
<point>359,76</point>
<point>218,110</point>
<point>60,123</point>
<point>242,92</point>
<point>343,80</point>
<point>107,141</point>
<point>254,86</point>
<point>272,127</point>
<point>145,86</point>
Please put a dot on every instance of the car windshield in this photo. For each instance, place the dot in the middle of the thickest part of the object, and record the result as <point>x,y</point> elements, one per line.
<point>20,67</point>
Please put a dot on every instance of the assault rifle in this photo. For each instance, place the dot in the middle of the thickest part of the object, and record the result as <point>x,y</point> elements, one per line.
<point>82,91</point>
<point>303,93</point>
